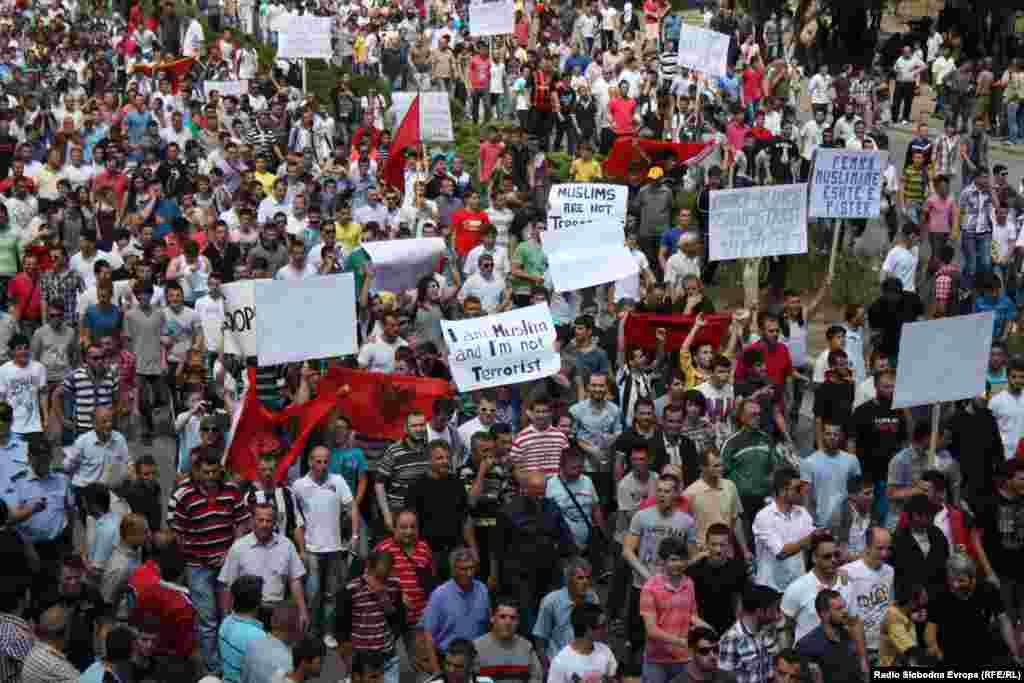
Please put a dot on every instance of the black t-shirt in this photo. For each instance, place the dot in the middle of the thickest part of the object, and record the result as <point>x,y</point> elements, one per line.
<point>963,626</point>
<point>783,153</point>
<point>880,433</point>
<point>442,507</point>
<point>888,318</point>
<point>837,660</point>
<point>717,589</point>
<point>495,492</point>
<point>1002,525</point>
<point>833,402</point>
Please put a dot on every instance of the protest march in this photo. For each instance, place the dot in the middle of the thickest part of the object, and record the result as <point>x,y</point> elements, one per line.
<point>506,341</point>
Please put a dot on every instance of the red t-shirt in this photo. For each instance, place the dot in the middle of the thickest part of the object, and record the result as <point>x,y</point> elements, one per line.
<point>752,79</point>
<point>468,226</point>
<point>490,152</point>
<point>480,73</point>
<point>776,361</point>
<point>168,605</point>
<point>27,295</point>
<point>622,110</point>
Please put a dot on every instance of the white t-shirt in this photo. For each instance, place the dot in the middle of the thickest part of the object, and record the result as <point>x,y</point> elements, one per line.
<point>20,387</point>
<point>488,291</point>
<point>211,316</point>
<point>629,286</point>
<point>902,263</point>
<point>84,267</point>
<point>798,600</point>
<point>608,17</point>
<point>871,593</point>
<point>569,666</point>
<point>321,505</point>
<point>379,356</point>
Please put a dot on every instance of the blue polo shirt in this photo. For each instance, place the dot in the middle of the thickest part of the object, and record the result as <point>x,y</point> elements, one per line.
<point>233,639</point>
<point>49,523</point>
<point>454,613</point>
<point>13,460</point>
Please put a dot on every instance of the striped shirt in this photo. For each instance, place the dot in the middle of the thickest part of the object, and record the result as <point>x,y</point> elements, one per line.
<point>206,525</point>
<point>370,630</point>
<point>46,664</point>
<point>915,184</point>
<point>514,662</point>
<point>538,451</point>
<point>404,568</point>
<point>399,467</point>
<point>16,641</point>
<point>88,395</point>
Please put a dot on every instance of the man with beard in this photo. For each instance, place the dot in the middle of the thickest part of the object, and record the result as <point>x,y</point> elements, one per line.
<point>143,492</point>
<point>719,578</point>
<point>403,463</point>
<point>877,433</point>
<point>963,614</point>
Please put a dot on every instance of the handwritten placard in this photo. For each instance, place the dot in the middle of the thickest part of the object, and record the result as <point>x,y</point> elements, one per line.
<point>847,183</point>
<point>507,348</point>
<point>575,204</point>
<point>491,17</point>
<point>703,50</point>
<point>758,221</point>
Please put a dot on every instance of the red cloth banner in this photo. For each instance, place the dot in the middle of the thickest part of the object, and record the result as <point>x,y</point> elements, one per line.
<point>641,329</point>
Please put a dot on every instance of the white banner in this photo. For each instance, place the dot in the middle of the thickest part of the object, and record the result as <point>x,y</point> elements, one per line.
<point>306,319</point>
<point>587,255</point>
<point>306,37</point>
<point>847,183</point>
<point>574,204</point>
<point>226,88</point>
<point>435,114</point>
<point>703,50</point>
<point>508,348</point>
<point>239,328</point>
<point>758,221</point>
<point>943,360</point>
<point>399,264</point>
<point>491,17</point>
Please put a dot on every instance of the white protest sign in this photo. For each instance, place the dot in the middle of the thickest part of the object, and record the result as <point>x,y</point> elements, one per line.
<point>703,50</point>
<point>943,360</point>
<point>587,255</point>
<point>435,114</point>
<point>305,37</point>
<point>847,183</point>
<point>239,319</point>
<point>508,348</point>
<point>491,17</point>
<point>399,264</point>
<point>575,204</point>
<point>758,221</point>
<point>306,319</point>
<point>226,88</point>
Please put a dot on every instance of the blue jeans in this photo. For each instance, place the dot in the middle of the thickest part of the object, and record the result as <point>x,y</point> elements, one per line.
<point>1013,123</point>
<point>659,672</point>
<point>202,586</point>
<point>327,573</point>
<point>977,256</point>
